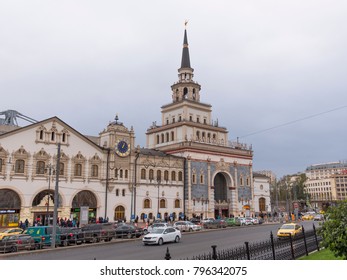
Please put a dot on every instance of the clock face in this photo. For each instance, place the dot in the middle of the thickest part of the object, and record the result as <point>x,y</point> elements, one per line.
<point>122,148</point>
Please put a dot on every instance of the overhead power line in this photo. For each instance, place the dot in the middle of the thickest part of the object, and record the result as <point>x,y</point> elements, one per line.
<point>294,121</point>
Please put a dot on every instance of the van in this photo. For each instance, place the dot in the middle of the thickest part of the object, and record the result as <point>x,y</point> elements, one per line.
<point>43,235</point>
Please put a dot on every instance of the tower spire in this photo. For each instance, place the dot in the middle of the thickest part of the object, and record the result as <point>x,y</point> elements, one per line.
<point>185,63</point>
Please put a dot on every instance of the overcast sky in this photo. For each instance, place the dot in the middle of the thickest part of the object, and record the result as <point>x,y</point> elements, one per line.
<point>273,71</point>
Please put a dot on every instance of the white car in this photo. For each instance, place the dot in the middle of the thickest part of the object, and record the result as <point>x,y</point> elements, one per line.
<point>186,226</point>
<point>149,229</point>
<point>162,235</point>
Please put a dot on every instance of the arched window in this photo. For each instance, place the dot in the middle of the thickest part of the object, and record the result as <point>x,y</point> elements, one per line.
<point>95,170</point>
<point>143,174</point>
<point>117,192</point>
<point>63,137</point>
<point>167,137</point>
<point>158,139</point>
<point>158,174</point>
<point>126,173</point>
<point>166,175</point>
<point>162,138</point>
<point>151,174</point>
<point>147,203</point>
<point>241,181</point>
<point>185,92</point>
<point>177,203</point>
<point>162,203</point>
<point>84,198</point>
<point>201,179</point>
<point>121,173</point>
<point>19,166</point>
<point>173,176</point>
<point>41,134</point>
<point>40,167</point>
<point>198,135</point>
<point>119,213</point>
<point>172,136</point>
<point>61,168</point>
<point>123,192</point>
<point>78,170</point>
<point>52,136</point>
<point>180,176</point>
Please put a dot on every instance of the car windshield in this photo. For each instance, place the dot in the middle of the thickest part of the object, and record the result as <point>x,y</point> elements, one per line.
<point>158,230</point>
<point>288,227</point>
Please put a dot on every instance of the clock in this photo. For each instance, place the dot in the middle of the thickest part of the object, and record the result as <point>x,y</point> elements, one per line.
<point>122,148</point>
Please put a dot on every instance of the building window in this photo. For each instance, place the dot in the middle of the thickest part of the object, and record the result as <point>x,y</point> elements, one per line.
<point>63,138</point>
<point>197,119</point>
<point>162,138</point>
<point>40,167</point>
<point>121,173</point>
<point>123,192</point>
<point>158,138</point>
<point>167,137</point>
<point>194,178</point>
<point>177,203</point>
<point>143,174</point>
<point>151,174</point>
<point>116,173</point>
<point>117,192</point>
<point>52,136</point>
<point>173,120</point>
<point>19,166</point>
<point>146,203</point>
<point>166,175</point>
<point>172,136</point>
<point>201,179</point>
<point>180,176</point>
<point>179,118</point>
<point>78,170</point>
<point>0,165</point>
<point>41,134</point>
<point>262,204</point>
<point>126,173</point>
<point>191,118</point>
<point>173,176</point>
<point>95,170</point>
<point>162,203</point>
<point>61,168</point>
<point>198,135</point>
<point>241,181</point>
<point>158,175</point>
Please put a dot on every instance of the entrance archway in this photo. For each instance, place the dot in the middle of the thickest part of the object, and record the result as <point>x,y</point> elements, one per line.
<point>43,207</point>
<point>10,205</point>
<point>84,198</point>
<point>119,213</point>
<point>221,183</point>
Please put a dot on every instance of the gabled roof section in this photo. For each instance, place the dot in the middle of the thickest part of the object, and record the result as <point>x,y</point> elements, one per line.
<point>56,119</point>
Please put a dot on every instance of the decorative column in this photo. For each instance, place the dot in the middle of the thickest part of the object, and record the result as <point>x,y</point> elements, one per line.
<point>252,187</point>
<point>189,181</point>
<point>236,210</point>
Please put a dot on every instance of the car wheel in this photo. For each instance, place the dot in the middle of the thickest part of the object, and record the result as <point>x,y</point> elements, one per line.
<point>190,229</point>
<point>14,249</point>
<point>177,239</point>
<point>160,241</point>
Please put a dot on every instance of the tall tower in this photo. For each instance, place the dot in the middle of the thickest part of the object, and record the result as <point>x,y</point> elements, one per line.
<point>217,174</point>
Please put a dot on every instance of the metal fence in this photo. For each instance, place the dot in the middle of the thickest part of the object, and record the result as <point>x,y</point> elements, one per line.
<point>289,248</point>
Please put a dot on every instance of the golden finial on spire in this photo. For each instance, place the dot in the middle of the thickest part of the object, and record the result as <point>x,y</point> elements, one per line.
<point>185,23</point>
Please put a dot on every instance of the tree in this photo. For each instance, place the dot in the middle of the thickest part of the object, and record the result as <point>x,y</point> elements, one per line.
<point>334,229</point>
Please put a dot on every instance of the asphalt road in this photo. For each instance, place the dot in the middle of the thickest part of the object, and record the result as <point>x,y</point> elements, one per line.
<point>191,244</point>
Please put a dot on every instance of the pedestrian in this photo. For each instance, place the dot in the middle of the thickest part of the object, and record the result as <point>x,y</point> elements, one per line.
<point>26,222</point>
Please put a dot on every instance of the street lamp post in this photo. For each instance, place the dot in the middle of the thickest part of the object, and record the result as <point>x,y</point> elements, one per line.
<point>49,190</point>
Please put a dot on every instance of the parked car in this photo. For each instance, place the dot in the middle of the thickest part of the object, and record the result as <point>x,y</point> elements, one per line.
<point>18,242</point>
<point>155,225</point>
<point>98,232</point>
<point>10,231</point>
<point>196,221</point>
<point>206,221</point>
<point>186,226</point>
<point>162,235</point>
<point>255,221</point>
<point>71,236</point>
<point>232,222</point>
<point>248,221</point>
<point>219,223</point>
<point>292,229</point>
<point>128,231</point>
<point>43,235</point>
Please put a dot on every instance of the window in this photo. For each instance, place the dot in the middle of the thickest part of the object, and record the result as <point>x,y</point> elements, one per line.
<point>143,174</point>
<point>241,181</point>
<point>247,181</point>
<point>197,119</point>
<point>177,203</point>
<point>179,118</point>
<point>126,173</point>
<point>61,168</point>
<point>116,173</point>
<point>64,137</point>
<point>201,179</point>
<point>172,136</point>
<point>123,192</point>
<point>198,135</point>
<point>158,138</point>
<point>194,178</point>
<point>180,176</point>
<point>146,203</point>
<point>173,176</point>
<point>262,204</point>
<point>78,170</point>
<point>0,165</point>
<point>40,167</point>
<point>191,118</point>
<point>117,192</point>
<point>95,170</point>
<point>19,166</point>
<point>41,134</point>
<point>162,138</point>
<point>162,203</point>
<point>151,174</point>
<point>158,175</point>
<point>166,175</point>
<point>53,136</point>
<point>167,137</point>
<point>173,120</point>
<point>121,173</point>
